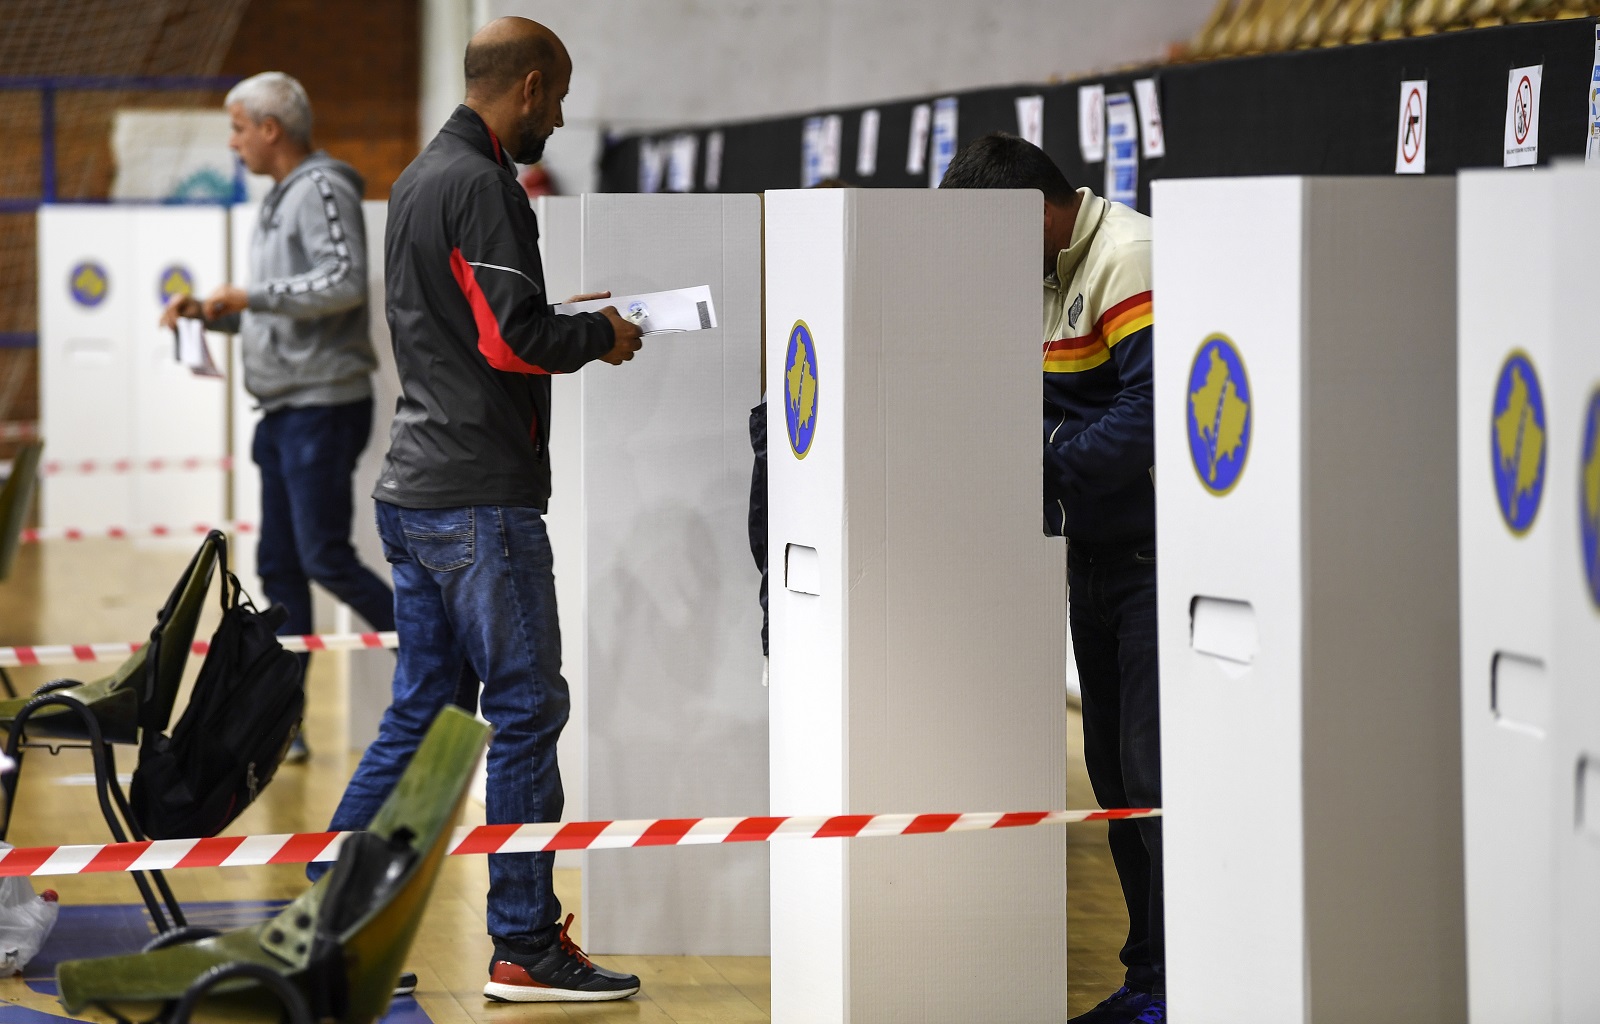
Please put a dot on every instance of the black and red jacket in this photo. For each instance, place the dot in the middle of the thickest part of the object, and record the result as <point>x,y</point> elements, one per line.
<point>474,338</point>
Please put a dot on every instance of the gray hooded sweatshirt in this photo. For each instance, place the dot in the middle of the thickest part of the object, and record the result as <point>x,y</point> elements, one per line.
<point>304,334</point>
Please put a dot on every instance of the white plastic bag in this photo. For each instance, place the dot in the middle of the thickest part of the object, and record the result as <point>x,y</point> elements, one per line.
<point>25,922</point>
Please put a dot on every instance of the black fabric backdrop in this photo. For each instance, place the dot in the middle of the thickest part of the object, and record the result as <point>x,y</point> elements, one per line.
<point>1325,111</point>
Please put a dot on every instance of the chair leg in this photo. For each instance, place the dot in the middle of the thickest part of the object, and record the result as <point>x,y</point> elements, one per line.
<point>104,762</point>
<point>174,908</point>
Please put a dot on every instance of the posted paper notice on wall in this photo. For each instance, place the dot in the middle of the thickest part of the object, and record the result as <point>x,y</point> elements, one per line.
<point>1092,123</point>
<point>683,309</point>
<point>1522,115</point>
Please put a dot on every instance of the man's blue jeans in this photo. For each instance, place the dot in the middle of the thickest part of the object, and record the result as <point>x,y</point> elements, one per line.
<point>474,591</point>
<point>307,456</point>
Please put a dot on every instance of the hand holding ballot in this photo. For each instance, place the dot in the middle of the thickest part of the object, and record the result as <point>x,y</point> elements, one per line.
<point>626,331</point>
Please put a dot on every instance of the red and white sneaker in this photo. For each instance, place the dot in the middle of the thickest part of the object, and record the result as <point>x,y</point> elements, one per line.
<point>557,973</point>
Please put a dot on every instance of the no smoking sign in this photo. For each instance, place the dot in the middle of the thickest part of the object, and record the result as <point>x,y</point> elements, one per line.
<point>1522,116</point>
<point>1411,142</point>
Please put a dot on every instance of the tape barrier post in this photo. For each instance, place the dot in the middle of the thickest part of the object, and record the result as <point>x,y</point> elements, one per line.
<point>306,847</point>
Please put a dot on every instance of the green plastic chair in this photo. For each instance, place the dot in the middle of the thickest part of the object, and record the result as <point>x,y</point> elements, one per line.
<point>336,951</point>
<point>131,705</point>
<point>16,497</point>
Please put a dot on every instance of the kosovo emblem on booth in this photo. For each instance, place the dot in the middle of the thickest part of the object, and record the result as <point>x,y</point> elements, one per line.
<point>1589,492</point>
<point>88,282</point>
<point>1517,442</point>
<point>800,389</point>
<point>1219,414</point>
<point>175,280</point>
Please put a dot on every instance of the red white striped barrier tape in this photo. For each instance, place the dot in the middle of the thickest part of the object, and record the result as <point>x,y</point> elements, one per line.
<point>18,430</point>
<point>34,536</point>
<point>80,467</point>
<point>245,851</point>
<point>70,654</point>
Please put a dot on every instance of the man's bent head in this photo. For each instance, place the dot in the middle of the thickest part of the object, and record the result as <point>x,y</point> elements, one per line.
<point>1001,160</point>
<point>518,72</point>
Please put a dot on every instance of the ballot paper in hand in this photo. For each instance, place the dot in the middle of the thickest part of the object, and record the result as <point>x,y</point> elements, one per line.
<point>685,309</point>
<point>193,351</point>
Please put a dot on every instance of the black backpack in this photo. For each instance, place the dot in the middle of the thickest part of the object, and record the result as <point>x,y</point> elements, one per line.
<point>246,707</point>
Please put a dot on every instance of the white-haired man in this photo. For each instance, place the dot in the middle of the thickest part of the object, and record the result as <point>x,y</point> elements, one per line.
<point>308,355</point>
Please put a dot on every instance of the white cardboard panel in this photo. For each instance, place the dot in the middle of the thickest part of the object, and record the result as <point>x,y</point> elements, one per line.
<point>1338,729</point>
<point>1575,653</point>
<point>561,248</point>
<point>1505,601</point>
<point>86,403</point>
<point>676,711</point>
<point>176,414</point>
<point>926,674</point>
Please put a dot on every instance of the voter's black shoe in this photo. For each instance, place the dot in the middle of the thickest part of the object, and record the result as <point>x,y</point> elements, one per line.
<point>556,973</point>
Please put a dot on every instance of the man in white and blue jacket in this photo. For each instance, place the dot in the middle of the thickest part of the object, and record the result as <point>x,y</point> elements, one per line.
<point>308,357</point>
<point>1099,493</point>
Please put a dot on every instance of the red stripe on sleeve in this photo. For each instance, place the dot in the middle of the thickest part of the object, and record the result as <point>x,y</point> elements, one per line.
<point>490,341</point>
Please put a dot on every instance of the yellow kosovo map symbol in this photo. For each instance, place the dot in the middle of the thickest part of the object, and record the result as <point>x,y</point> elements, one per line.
<point>89,283</point>
<point>802,387</point>
<point>1219,413</point>
<point>176,283</point>
<point>1591,480</point>
<point>1518,439</point>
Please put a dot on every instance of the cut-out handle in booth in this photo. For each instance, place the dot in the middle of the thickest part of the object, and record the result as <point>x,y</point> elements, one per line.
<point>1589,796</point>
<point>802,569</point>
<point>1225,630</point>
<point>1519,693</point>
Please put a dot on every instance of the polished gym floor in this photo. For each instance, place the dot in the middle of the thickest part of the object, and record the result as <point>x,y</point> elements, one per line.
<point>90,591</point>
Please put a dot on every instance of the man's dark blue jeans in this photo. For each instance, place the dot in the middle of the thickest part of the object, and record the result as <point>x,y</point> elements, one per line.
<point>475,591</point>
<point>1113,611</point>
<point>307,456</point>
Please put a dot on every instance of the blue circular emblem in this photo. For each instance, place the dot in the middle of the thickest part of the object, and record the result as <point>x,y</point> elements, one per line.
<point>1589,498</point>
<point>800,389</point>
<point>1517,442</point>
<point>175,280</point>
<point>88,282</point>
<point>1219,405</point>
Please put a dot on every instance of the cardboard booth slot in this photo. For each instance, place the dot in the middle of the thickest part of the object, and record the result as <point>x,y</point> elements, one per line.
<point>802,570</point>
<point>1519,694</point>
<point>1589,796</point>
<point>1224,629</point>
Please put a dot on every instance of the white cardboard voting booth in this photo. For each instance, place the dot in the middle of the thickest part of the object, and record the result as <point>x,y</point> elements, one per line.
<point>676,713</point>
<point>917,611</point>
<point>1574,475</point>
<point>109,386</point>
<point>1506,368</point>
<point>1530,515</point>
<point>1306,504</point>
<point>1575,458</point>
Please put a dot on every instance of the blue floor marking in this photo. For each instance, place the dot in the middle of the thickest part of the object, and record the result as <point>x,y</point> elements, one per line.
<point>84,932</point>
